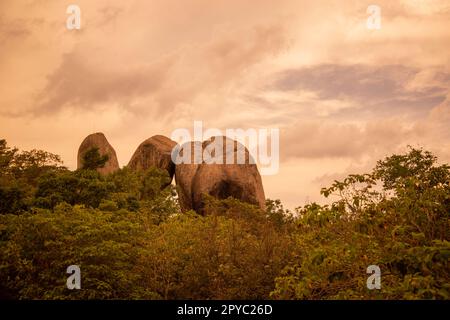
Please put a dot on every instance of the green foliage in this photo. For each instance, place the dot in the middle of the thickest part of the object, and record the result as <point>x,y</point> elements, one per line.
<point>6,156</point>
<point>36,250</point>
<point>126,255</point>
<point>405,233</point>
<point>86,187</point>
<point>19,175</point>
<point>126,232</point>
<point>417,164</point>
<point>15,197</point>
<point>277,214</point>
<point>93,160</point>
<point>128,190</point>
<point>214,257</point>
<point>144,191</point>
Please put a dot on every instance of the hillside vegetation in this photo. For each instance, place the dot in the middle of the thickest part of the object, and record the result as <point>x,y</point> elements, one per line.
<point>131,240</point>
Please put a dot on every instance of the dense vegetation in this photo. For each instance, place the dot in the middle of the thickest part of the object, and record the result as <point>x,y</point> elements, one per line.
<point>131,241</point>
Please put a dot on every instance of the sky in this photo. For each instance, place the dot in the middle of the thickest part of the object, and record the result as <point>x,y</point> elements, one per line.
<point>341,94</point>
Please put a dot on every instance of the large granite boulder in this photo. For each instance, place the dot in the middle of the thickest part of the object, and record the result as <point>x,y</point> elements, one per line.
<point>204,174</point>
<point>98,140</point>
<point>156,152</point>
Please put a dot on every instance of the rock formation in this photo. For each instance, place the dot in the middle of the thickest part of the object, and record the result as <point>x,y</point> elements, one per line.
<point>221,180</point>
<point>185,173</point>
<point>98,140</point>
<point>156,152</point>
<point>220,167</point>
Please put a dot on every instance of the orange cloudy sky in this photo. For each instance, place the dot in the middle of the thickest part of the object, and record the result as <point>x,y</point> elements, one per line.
<point>342,95</point>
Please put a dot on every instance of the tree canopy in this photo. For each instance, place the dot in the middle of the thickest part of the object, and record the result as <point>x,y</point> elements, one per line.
<point>131,241</point>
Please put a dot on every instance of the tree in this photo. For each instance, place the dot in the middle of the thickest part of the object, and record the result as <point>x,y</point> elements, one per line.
<point>36,249</point>
<point>405,232</point>
<point>85,187</point>
<point>417,164</point>
<point>19,175</point>
<point>6,157</point>
<point>131,240</point>
<point>92,159</point>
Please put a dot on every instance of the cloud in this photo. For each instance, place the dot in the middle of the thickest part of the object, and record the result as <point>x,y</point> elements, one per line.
<point>377,89</point>
<point>81,83</point>
<point>13,30</point>
<point>85,80</point>
<point>342,95</point>
<point>109,15</point>
<point>330,139</point>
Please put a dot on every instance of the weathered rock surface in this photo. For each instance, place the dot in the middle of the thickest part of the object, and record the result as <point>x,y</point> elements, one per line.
<point>185,172</point>
<point>155,151</point>
<point>98,140</point>
<point>221,180</point>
